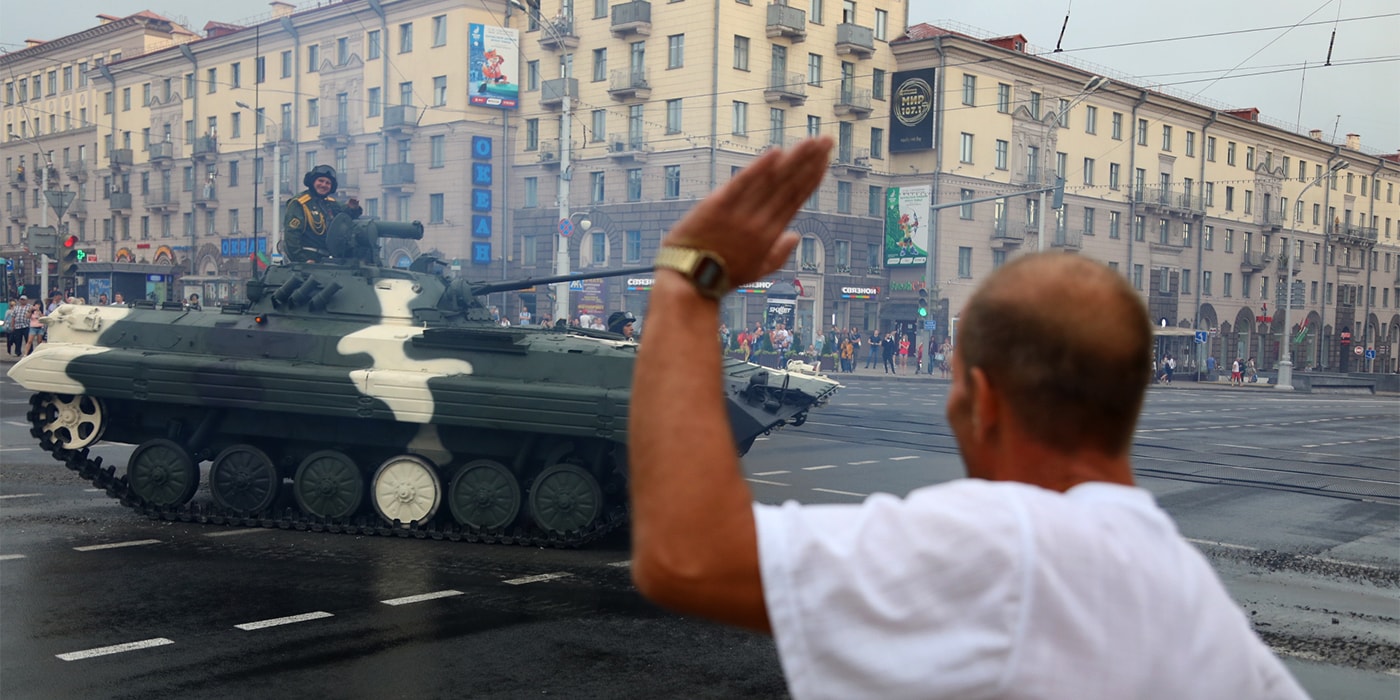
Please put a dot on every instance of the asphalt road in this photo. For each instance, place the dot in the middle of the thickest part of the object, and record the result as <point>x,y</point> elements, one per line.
<point>1296,500</point>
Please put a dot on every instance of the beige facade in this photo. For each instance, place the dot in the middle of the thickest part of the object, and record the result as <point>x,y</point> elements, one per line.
<point>1198,208</point>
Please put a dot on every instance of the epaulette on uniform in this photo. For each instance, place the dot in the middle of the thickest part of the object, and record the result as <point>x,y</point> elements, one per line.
<point>303,199</point>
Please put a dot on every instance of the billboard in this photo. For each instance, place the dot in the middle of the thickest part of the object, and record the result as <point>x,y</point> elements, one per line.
<point>493,70</point>
<point>911,110</point>
<point>906,225</point>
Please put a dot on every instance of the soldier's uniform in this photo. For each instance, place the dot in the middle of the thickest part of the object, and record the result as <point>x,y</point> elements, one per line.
<point>308,215</point>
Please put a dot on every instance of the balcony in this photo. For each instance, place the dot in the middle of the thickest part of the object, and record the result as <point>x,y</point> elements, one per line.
<point>17,213</point>
<point>871,271</point>
<point>1254,261</point>
<point>786,87</point>
<point>549,153</point>
<point>628,148</point>
<point>78,171</point>
<point>629,84</point>
<point>401,118</point>
<point>1355,234</point>
<point>1067,240</point>
<point>398,175</point>
<point>853,102</point>
<point>17,180</point>
<point>162,202</point>
<point>1034,177</point>
<point>335,129</point>
<point>631,18</point>
<point>120,158</point>
<point>855,40</point>
<point>855,163</point>
<point>1271,221</point>
<point>161,155</point>
<point>553,92</point>
<point>1283,265</point>
<point>787,23</point>
<point>558,33</point>
<point>77,209</point>
<point>1004,238</point>
<point>120,202</point>
<point>207,196</point>
<point>206,148</point>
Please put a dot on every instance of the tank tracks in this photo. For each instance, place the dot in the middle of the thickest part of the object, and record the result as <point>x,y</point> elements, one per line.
<point>106,479</point>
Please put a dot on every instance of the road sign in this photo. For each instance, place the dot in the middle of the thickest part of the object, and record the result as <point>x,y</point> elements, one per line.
<point>566,228</point>
<point>1370,354</point>
<point>1201,337</point>
<point>931,325</point>
<point>1358,350</point>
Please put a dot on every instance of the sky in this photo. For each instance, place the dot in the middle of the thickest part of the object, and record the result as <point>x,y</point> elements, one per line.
<point>1238,67</point>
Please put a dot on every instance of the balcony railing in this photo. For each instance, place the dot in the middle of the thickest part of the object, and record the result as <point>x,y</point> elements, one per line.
<point>16,212</point>
<point>854,101</point>
<point>335,127</point>
<point>855,40</point>
<point>398,174</point>
<point>160,151</point>
<point>549,152</point>
<point>786,87</point>
<point>626,84</point>
<point>1254,261</point>
<point>558,33</point>
<point>400,117</point>
<point>1355,234</point>
<point>1068,240</point>
<point>628,147</point>
<point>207,196</point>
<point>120,200</point>
<point>852,162</point>
<point>162,200</point>
<point>78,208</point>
<point>553,92</point>
<point>78,170</point>
<point>632,18</point>
<point>206,147</point>
<point>786,22</point>
<point>120,158</point>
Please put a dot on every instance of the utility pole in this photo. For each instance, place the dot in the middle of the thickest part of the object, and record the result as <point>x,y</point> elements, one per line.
<point>44,222</point>
<point>1285,365</point>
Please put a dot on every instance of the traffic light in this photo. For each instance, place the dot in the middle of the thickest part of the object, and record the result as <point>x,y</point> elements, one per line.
<point>923,303</point>
<point>69,256</point>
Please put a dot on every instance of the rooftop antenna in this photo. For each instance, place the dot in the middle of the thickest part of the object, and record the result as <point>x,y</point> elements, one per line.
<point>1335,126</point>
<point>1063,27</point>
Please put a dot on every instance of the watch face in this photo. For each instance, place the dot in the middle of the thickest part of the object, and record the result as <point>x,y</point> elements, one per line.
<point>709,274</point>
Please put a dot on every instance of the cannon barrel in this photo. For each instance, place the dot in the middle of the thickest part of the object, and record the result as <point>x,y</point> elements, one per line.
<point>395,229</point>
<point>514,285</point>
<point>358,239</point>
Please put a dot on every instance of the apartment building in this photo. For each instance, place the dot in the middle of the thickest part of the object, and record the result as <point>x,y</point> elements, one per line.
<point>1203,209</point>
<point>53,103</point>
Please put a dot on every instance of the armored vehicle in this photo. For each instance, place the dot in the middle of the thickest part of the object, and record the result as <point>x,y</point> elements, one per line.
<point>351,397</point>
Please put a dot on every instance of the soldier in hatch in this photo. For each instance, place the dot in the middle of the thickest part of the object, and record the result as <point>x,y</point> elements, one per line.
<point>309,214</point>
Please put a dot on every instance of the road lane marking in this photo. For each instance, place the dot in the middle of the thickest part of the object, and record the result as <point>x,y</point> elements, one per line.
<point>863,461</point>
<point>17,423</point>
<point>536,578</point>
<point>842,493</point>
<point>277,621</point>
<point>240,531</point>
<point>7,557</point>
<point>408,600</point>
<point>805,469</point>
<point>1238,447</point>
<point>115,545</point>
<point>20,495</point>
<point>1226,545</point>
<point>15,449</point>
<point>774,473</point>
<point>766,482</point>
<point>115,649</point>
<point>901,459</point>
<point>621,564</point>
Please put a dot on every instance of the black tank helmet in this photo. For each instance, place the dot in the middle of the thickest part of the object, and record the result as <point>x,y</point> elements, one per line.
<point>618,320</point>
<point>325,171</point>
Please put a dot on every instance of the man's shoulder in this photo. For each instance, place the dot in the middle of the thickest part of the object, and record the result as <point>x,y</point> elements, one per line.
<point>303,198</point>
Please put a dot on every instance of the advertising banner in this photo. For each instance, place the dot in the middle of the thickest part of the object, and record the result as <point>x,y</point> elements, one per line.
<point>911,110</point>
<point>493,70</point>
<point>590,296</point>
<point>906,225</point>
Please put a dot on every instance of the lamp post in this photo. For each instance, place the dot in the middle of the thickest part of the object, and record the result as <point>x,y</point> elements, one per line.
<point>566,147</point>
<point>1285,365</point>
<point>1094,84</point>
<point>276,226</point>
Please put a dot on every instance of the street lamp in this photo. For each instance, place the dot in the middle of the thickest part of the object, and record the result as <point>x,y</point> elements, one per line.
<point>276,228</point>
<point>1285,365</point>
<point>1094,84</point>
<point>566,147</point>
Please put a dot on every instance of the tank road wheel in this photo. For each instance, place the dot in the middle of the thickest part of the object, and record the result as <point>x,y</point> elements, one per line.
<point>565,498</point>
<point>162,473</point>
<point>484,494</point>
<point>406,488</point>
<point>328,485</point>
<point>74,421</point>
<point>243,479</point>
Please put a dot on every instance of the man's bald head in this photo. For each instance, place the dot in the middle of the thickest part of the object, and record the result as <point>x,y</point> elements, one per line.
<point>1067,342</point>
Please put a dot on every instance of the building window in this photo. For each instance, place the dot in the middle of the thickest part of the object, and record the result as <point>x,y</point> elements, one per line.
<point>435,208</point>
<point>672,182</point>
<point>965,150</point>
<point>1190,144</point>
<point>965,210</point>
<point>741,119</point>
<point>632,246</point>
<point>877,143</point>
<point>969,93</point>
<point>532,134</point>
<point>1139,227</point>
<point>286,64</point>
<point>882,23</point>
<point>673,116</point>
<point>1003,148</point>
<point>600,65</point>
<point>529,250</point>
<point>1206,288</point>
<point>440,91</point>
<point>1003,98</point>
<point>313,112</point>
<point>1229,152</point>
<point>375,101</point>
<point>313,58</point>
<point>1113,225</point>
<point>1089,172</point>
<point>532,76</point>
<point>372,44</point>
<point>675,51</point>
<point>1091,119</point>
<point>1115,172</point>
<point>600,249</point>
<point>437,147</point>
<point>1249,162</point>
<point>1062,113</point>
<point>634,185</point>
<point>1208,237</point>
<point>532,192</point>
<point>1035,105</point>
<point>741,52</point>
<point>406,37</point>
<point>598,188</point>
<point>1166,137</point>
<point>1142,132</point>
<point>877,84</point>
<point>776,119</point>
<point>875,202</point>
<point>440,30</point>
<point>965,262</point>
<point>600,125</point>
<point>814,69</point>
<point>1117,126</point>
<point>843,197</point>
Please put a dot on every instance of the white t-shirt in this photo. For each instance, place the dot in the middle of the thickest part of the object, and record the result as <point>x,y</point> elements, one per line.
<point>976,589</point>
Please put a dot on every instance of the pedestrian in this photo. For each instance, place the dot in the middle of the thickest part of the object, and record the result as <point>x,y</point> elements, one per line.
<point>1048,574</point>
<point>944,351</point>
<point>1251,371</point>
<point>848,355</point>
<point>17,326</point>
<point>876,344</point>
<point>36,328</point>
<point>1236,378</point>
<point>904,351</point>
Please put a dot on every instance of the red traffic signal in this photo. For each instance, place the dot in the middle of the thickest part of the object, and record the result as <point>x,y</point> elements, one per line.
<point>70,242</point>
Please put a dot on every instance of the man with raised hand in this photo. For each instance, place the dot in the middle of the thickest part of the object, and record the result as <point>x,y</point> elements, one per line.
<point>1046,574</point>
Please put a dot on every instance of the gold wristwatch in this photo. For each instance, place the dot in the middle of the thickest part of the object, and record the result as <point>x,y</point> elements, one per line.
<point>703,268</point>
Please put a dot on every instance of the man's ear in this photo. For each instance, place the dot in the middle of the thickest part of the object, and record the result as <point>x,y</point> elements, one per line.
<point>986,406</point>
